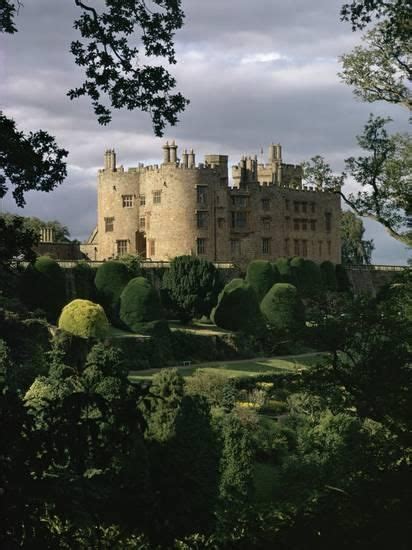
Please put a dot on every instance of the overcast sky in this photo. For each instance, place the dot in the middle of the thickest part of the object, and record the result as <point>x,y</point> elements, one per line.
<point>255,73</point>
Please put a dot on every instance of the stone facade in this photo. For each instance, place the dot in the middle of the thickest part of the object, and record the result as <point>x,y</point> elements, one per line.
<point>180,207</point>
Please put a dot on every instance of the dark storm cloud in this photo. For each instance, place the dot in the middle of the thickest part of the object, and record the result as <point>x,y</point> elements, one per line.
<point>255,72</point>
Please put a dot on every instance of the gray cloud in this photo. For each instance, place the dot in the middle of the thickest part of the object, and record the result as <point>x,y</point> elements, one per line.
<point>254,72</point>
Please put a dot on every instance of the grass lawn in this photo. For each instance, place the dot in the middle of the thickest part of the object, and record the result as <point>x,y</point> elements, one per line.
<point>249,367</point>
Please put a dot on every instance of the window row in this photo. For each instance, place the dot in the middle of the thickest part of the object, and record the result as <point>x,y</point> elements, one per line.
<point>300,248</point>
<point>302,224</point>
<point>299,206</point>
<point>128,200</point>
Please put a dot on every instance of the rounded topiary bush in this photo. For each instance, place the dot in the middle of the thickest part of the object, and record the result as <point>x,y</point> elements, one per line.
<point>43,287</point>
<point>283,308</point>
<point>84,281</point>
<point>238,309</point>
<point>139,303</point>
<point>84,318</point>
<point>261,275</point>
<point>306,275</point>
<point>111,278</point>
<point>282,266</point>
<point>328,275</point>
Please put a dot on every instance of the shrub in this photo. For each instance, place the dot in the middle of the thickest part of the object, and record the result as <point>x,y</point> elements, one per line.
<point>328,275</point>
<point>307,276</point>
<point>139,303</point>
<point>111,278</point>
<point>282,265</point>
<point>238,309</point>
<point>193,285</point>
<point>84,318</point>
<point>43,287</point>
<point>84,281</point>
<point>261,275</point>
<point>283,309</point>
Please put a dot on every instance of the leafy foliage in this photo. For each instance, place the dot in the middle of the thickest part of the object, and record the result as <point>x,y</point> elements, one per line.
<point>261,275</point>
<point>84,318</point>
<point>139,303</point>
<point>28,162</point>
<point>238,309</point>
<point>193,285</point>
<point>307,276</point>
<point>328,275</point>
<point>355,250</point>
<point>283,309</point>
<point>111,278</point>
<point>16,240</point>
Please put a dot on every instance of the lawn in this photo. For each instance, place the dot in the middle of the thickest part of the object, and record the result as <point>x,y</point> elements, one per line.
<point>249,367</point>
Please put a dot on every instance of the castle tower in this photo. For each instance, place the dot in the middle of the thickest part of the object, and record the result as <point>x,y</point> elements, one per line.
<point>173,152</point>
<point>166,153</point>
<point>110,160</point>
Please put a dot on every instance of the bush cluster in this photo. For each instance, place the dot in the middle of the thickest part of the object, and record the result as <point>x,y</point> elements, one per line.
<point>283,308</point>
<point>111,278</point>
<point>84,318</point>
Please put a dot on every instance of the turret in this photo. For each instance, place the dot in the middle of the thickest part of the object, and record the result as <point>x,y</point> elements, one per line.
<point>173,152</point>
<point>110,160</point>
<point>185,159</point>
<point>166,153</point>
<point>191,159</point>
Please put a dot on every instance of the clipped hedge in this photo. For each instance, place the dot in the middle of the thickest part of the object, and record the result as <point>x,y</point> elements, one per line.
<point>306,275</point>
<point>283,308</point>
<point>283,268</point>
<point>84,281</point>
<point>139,303</point>
<point>84,318</point>
<point>261,275</point>
<point>328,275</point>
<point>111,278</point>
<point>238,309</point>
<point>43,287</point>
<point>342,279</point>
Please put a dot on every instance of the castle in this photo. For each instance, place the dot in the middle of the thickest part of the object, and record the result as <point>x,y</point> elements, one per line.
<point>180,207</point>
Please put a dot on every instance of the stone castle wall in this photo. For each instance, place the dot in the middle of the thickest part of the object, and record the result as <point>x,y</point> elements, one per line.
<point>178,207</point>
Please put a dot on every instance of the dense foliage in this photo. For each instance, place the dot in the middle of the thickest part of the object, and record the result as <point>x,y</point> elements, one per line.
<point>328,272</point>
<point>111,278</point>
<point>238,309</point>
<point>192,285</point>
<point>355,249</point>
<point>84,318</point>
<point>261,275</point>
<point>283,309</point>
<point>139,303</point>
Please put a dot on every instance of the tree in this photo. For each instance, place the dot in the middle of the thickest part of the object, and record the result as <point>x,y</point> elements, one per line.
<point>110,59</point>
<point>381,69</point>
<point>28,162</point>
<point>261,275</point>
<point>355,250</point>
<point>384,176</point>
<point>283,309</point>
<point>193,285</point>
<point>16,241</point>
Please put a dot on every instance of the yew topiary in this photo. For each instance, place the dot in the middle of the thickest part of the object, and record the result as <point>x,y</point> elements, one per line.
<point>43,287</point>
<point>283,308</point>
<point>111,278</point>
<point>139,303</point>
<point>261,275</point>
<point>285,274</point>
<point>84,318</point>
<point>306,275</point>
<point>238,309</point>
<point>328,275</point>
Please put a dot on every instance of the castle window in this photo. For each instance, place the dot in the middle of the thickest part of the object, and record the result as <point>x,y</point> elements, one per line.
<point>328,221</point>
<point>287,221</point>
<point>201,194</point>
<point>304,224</point>
<point>157,197</point>
<point>202,218</point>
<point>121,247</point>
<point>304,207</point>
<point>152,248</point>
<point>265,204</point>
<point>296,206</point>
<point>313,225</point>
<point>201,246</point>
<point>239,220</point>
<point>142,222</point>
<point>240,202</point>
<point>142,200</point>
<point>266,246</point>
<point>235,247</point>
<point>320,249</point>
<point>304,248</point>
<point>221,223</point>
<point>108,224</point>
<point>127,201</point>
<point>313,207</point>
<point>296,247</point>
<point>266,224</point>
<point>287,202</point>
<point>329,248</point>
<point>286,249</point>
<point>296,224</point>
